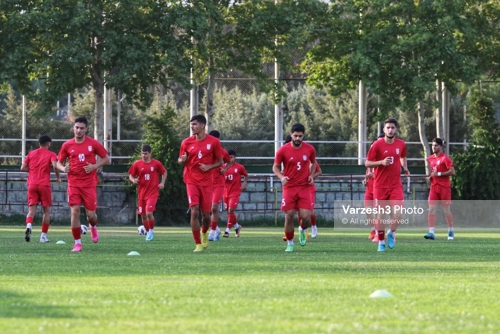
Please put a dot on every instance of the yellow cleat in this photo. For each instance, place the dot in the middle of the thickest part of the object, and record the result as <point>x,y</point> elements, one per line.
<point>204,240</point>
<point>198,248</point>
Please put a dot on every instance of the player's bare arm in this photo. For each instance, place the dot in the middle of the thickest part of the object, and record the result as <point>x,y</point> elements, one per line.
<point>182,159</point>
<point>277,171</point>
<point>133,179</point>
<point>405,166</point>
<point>449,172</point>
<point>90,167</point>
<point>205,167</point>
<point>313,171</point>
<point>163,179</point>
<point>63,168</point>
<point>56,171</point>
<point>25,167</point>
<point>244,183</point>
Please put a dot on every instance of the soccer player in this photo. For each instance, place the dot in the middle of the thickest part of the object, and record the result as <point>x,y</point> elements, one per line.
<point>233,172</point>
<point>144,173</point>
<point>387,156</point>
<point>199,154</point>
<point>37,163</point>
<point>368,183</point>
<point>218,192</point>
<point>441,170</point>
<point>82,152</point>
<point>296,179</point>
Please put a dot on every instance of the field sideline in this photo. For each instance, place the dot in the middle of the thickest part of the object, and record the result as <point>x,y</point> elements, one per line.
<point>248,284</point>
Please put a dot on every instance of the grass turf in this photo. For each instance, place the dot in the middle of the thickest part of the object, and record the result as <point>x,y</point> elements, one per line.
<point>249,284</point>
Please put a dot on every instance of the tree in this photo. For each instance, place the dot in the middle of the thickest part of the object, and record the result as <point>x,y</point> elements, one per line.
<point>477,174</point>
<point>128,45</point>
<point>399,49</point>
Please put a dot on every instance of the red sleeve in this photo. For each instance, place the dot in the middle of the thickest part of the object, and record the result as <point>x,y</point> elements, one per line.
<point>448,162</point>
<point>161,168</point>
<point>100,150</point>
<point>403,152</point>
<point>372,153</point>
<point>226,157</point>
<point>62,154</point>
<point>279,156</point>
<point>53,157</point>
<point>183,148</point>
<point>243,171</point>
<point>133,169</point>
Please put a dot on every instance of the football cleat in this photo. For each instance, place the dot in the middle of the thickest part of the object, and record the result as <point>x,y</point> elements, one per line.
<point>238,230</point>
<point>204,240</point>
<point>430,236</point>
<point>381,248</point>
<point>94,234</point>
<point>314,231</point>
<point>391,240</point>
<point>77,248</point>
<point>198,248</point>
<point>289,248</point>
<point>27,234</point>
<point>44,238</point>
<point>302,237</point>
<point>451,235</point>
<point>372,235</point>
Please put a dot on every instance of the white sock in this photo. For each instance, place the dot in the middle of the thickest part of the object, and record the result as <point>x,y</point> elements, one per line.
<point>228,230</point>
<point>431,230</point>
<point>450,229</point>
<point>290,242</point>
<point>79,241</point>
<point>28,225</point>
<point>236,226</point>
<point>43,235</point>
<point>381,242</point>
<point>373,228</point>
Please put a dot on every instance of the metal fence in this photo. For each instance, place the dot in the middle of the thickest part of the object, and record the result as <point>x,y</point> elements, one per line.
<point>244,116</point>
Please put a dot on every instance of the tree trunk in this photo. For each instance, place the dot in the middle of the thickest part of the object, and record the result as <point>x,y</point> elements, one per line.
<point>209,108</point>
<point>98,113</point>
<point>423,137</point>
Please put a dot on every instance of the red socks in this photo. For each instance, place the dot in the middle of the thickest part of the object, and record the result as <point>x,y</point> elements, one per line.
<point>77,232</point>
<point>196,236</point>
<point>45,227</point>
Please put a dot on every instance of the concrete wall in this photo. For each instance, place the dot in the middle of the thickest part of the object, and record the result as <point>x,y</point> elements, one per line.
<point>260,200</point>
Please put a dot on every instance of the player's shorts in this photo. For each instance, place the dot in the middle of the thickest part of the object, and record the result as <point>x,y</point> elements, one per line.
<point>368,199</point>
<point>85,195</point>
<point>296,197</point>
<point>39,194</point>
<point>440,195</point>
<point>388,196</point>
<point>217,194</point>
<point>198,195</point>
<point>313,196</point>
<point>231,202</point>
<point>146,205</point>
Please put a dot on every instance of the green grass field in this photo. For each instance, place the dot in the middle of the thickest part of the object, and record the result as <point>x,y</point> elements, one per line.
<point>248,285</point>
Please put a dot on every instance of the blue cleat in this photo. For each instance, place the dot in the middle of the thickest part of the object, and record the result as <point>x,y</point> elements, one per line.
<point>217,235</point>
<point>430,236</point>
<point>451,235</point>
<point>391,240</point>
<point>150,235</point>
<point>381,248</point>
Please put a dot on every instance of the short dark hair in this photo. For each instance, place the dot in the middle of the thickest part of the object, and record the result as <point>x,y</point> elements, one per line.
<point>82,119</point>
<point>297,127</point>
<point>44,140</point>
<point>288,139</point>
<point>438,141</point>
<point>146,148</point>
<point>231,152</point>
<point>391,120</point>
<point>214,133</point>
<point>199,118</point>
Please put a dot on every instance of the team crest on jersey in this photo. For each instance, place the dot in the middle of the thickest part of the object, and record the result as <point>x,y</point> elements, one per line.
<point>208,146</point>
<point>152,169</point>
<point>304,157</point>
<point>397,151</point>
<point>236,170</point>
<point>90,148</point>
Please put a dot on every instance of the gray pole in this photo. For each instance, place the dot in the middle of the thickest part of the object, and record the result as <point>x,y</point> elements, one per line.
<point>193,104</point>
<point>362,124</point>
<point>23,131</point>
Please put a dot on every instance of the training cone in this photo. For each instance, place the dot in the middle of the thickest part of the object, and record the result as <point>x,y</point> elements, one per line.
<point>381,294</point>
<point>60,242</point>
<point>133,253</point>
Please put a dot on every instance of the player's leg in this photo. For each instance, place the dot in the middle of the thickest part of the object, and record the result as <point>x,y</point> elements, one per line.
<point>33,200</point>
<point>304,203</point>
<point>314,228</point>
<point>433,201</point>
<point>193,194</point>
<point>89,198</point>
<point>150,209</point>
<point>74,202</point>
<point>217,195</point>
<point>46,200</point>
<point>446,203</point>
<point>205,207</point>
<point>396,202</point>
<point>289,229</point>
<point>45,224</point>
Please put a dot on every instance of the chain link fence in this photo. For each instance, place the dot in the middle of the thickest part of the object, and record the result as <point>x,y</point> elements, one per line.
<point>244,116</point>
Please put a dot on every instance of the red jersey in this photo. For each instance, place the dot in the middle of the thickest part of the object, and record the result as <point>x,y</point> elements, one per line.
<point>206,151</point>
<point>80,155</point>
<point>232,184</point>
<point>442,163</point>
<point>149,177</point>
<point>39,162</point>
<point>217,177</point>
<point>387,176</point>
<point>296,163</point>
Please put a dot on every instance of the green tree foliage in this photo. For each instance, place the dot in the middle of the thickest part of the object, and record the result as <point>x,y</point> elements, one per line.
<point>165,144</point>
<point>478,175</point>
